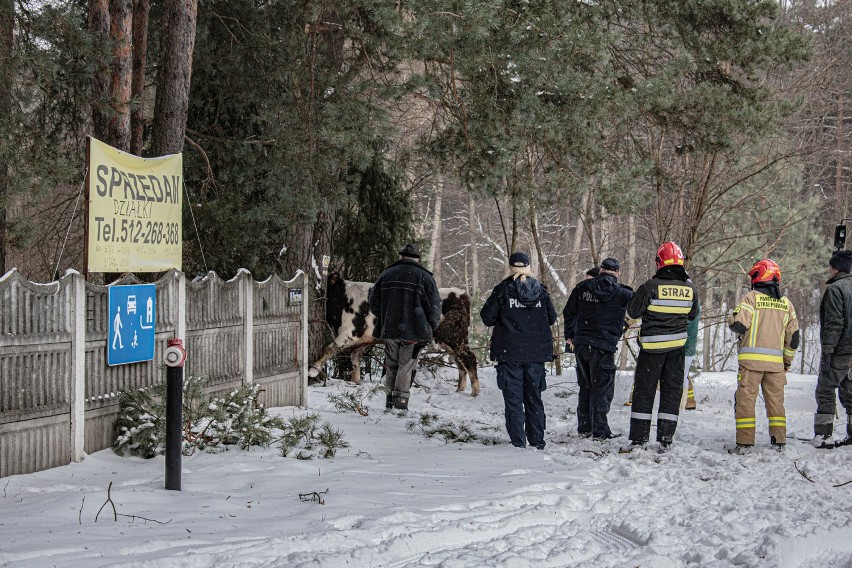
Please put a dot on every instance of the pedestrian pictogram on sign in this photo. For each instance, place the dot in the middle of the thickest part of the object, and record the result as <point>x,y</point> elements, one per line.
<point>132,310</point>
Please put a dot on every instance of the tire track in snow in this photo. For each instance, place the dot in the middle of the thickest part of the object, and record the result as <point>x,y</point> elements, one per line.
<point>610,538</point>
<point>534,520</point>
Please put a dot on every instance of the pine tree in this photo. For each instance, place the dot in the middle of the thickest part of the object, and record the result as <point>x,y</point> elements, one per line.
<point>374,224</point>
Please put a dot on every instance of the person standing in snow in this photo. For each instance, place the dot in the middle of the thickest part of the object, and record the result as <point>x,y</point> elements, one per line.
<point>835,332</point>
<point>594,322</point>
<point>407,306</point>
<point>665,303</point>
<point>768,329</point>
<point>521,313</point>
<point>689,355</point>
<point>590,274</point>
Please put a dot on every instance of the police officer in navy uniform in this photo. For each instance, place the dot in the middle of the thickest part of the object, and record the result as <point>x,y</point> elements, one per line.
<point>521,313</point>
<point>594,322</point>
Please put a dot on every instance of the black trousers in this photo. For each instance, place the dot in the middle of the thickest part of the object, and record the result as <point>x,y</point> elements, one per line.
<point>596,379</point>
<point>833,381</point>
<point>521,384</point>
<point>665,369</point>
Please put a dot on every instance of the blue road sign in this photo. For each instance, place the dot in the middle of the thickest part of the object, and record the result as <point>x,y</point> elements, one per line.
<point>132,323</point>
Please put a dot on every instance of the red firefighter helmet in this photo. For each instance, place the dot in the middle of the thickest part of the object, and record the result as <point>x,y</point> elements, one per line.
<point>765,271</point>
<point>668,254</point>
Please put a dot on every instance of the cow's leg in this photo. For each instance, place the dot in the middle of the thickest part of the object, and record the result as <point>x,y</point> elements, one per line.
<point>317,366</point>
<point>462,386</point>
<point>466,362</point>
<point>467,359</point>
<point>356,364</point>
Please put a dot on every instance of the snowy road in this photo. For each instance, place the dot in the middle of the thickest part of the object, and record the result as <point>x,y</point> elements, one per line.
<point>398,499</point>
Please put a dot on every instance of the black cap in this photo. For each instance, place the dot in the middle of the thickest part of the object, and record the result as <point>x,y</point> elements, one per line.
<point>610,264</point>
<point>841,261</point>
<point>410,250</point>
<point>519,259</point>
<point>593,272</point>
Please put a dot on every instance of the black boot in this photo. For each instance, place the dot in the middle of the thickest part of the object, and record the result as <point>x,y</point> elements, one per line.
<point>823,431</point>
<point>400,401</point>
<point>741,449</point>
<point>848,440</point>
<point>388,401</point>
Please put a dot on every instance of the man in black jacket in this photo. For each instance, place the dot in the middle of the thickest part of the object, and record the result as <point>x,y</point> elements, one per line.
<point>521,313</point>
<point>665,303</point>
<point>835,331</point>
<point>594,322</point>
<point>407,307</point>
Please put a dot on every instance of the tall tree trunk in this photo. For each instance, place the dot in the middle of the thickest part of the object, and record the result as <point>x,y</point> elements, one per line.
<point>7,77</point>
<point>311,240</point>
<point>121,24</point>
<point>99,23</point>
<point>630,261</point>
<point>514,241</point>
<point>141,9</point>
<point>577,243</point>
<point>842,196</point>
<point>435,257</point>
<point>708,343</point>
<point>474,254</point>
<point>803,341</point>
<point>173,76</point>
<point>555,328</point>
<point>542,266</point>
<point>588,216</point>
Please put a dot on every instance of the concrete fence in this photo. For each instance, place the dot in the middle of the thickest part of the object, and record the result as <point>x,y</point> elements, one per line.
<point>58,397</point>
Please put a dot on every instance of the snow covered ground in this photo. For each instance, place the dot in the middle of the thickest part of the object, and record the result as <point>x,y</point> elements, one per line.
<point>396,498</point>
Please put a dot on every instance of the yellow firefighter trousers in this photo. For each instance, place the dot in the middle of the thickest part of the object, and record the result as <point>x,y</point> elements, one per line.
<point>748,384</point>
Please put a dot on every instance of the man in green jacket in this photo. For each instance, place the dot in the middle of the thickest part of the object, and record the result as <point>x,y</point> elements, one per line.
<point>835,331</point>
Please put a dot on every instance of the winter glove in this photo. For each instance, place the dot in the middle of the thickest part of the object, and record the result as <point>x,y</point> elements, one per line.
<point>825,362</point>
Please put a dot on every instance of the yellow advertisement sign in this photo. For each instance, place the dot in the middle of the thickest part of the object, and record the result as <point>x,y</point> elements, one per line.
<point>134,211</point>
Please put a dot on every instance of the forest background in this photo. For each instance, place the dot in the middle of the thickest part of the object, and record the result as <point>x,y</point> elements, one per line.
<point>574,130</point>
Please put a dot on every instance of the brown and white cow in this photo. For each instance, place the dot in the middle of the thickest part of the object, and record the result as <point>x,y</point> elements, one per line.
<point>348,314</point>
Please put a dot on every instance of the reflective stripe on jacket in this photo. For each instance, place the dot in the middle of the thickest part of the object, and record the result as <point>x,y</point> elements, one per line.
<point>770,324</point>
<point>665,303</point>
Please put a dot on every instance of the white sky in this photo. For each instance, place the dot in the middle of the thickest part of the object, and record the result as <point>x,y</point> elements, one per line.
<point>398,499</point>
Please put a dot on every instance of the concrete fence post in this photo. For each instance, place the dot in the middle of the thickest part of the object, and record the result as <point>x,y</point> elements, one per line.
<point>78,366</point>
<point>306,300</point>
<point>247,292</point>
<point>180,304</point>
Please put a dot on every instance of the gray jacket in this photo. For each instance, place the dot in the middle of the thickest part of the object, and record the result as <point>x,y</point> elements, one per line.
<point>835,316</point>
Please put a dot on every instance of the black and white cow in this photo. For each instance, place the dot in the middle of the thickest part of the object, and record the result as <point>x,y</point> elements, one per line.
<point>348,314</point>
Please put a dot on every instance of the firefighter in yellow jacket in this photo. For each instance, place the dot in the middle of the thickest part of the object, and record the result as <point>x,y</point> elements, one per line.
<point>769,335</point>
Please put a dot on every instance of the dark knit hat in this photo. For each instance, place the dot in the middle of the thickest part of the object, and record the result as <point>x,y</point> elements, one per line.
<point>610,264</point>
<point>410,250</point>
<point>593,272</point>
<point>519,259</point>
<point>841,261</point>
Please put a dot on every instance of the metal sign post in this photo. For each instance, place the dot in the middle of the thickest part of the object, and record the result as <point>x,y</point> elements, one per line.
<point>174,358</point>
